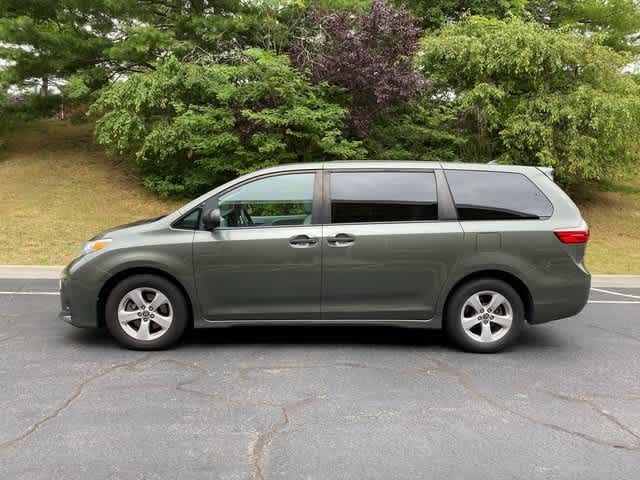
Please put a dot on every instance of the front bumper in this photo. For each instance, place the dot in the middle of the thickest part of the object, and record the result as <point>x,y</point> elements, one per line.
<point>78,302</point>
<point>65,317</point>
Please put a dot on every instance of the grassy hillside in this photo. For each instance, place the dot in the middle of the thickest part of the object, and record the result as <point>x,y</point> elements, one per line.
<point>613,213</point>
<point>57,189</point>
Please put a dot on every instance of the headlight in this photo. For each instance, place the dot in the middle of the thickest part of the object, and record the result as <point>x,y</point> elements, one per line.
<point>95,245</point>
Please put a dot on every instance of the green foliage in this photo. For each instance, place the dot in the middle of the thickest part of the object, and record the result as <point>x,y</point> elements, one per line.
<point>49,39</point>
<point>424,129</point>
<point>537,96</point>
<point>191,126</point>
<point>31,107</point>
<point>3,103</point>
<point>616,22</point>
<point>435,14</point>
<point>196,92</point>
<point>99,40</point>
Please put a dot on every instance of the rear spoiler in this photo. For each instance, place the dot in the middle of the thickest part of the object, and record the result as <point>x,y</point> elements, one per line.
<point>548,171</point>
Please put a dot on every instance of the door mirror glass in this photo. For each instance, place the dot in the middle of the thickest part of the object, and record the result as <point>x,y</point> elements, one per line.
<point>211,219</point>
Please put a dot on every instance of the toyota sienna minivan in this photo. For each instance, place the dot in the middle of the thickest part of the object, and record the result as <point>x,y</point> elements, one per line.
<point>476,250</point>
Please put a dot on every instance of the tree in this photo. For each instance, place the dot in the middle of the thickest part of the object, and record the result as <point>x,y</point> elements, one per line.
<point>423,129</point>
<point>616,21</point>
<point>536,96</point>
<point>190,126</point>
<point>44,41</point>
<point>95,41</point>
<point>369,54</point>
<point>435,14</point>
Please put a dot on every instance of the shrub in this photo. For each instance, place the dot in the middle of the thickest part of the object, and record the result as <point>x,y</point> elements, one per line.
<point>531,95</point>
<point>423,129</point>
<point>369,54</point>
<point>27,108</point>
<point>189,127</point>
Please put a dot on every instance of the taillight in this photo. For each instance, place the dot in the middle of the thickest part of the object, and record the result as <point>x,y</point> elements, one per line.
<point>573,235</point>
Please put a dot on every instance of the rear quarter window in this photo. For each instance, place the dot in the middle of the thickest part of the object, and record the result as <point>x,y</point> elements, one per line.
<point>482,195</point>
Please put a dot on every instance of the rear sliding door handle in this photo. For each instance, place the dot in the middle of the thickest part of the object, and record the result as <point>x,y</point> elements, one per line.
<point>341,240</point>
<point>302,241</point>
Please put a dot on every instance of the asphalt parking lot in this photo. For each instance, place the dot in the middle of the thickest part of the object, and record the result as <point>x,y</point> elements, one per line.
<point>318,403</point>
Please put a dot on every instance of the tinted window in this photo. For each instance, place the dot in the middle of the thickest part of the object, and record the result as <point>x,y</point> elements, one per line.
<point>189,221</point>
<point>271,201</point>
<point>383,197</point>
<point>496,196</point>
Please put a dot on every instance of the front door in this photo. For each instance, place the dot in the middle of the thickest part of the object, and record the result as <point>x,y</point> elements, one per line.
<point>385,254</point>
<point>264,261</point>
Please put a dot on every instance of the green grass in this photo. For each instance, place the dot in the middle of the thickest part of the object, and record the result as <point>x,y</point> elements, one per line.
<point>58,189</point>
<point>613,213</point>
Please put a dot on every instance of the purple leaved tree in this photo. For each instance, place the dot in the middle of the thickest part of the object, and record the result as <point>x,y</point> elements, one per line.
<point>371,55</point>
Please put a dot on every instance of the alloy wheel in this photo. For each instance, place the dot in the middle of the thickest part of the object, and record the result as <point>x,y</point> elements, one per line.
<point>486,316</point>
<point>145,313</point>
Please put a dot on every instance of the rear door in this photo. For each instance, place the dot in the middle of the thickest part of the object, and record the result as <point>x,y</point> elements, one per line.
<point>389,241</point>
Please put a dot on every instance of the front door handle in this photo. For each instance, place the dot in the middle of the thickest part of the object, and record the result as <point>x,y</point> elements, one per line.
<point>341,240</point>
<point>302,241</point>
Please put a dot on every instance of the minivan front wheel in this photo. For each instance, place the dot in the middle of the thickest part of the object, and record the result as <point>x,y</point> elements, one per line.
<point>484,315</point>
<point>146,312</point>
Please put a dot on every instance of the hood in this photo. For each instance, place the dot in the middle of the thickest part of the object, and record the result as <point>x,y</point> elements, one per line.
<point>126,225</point>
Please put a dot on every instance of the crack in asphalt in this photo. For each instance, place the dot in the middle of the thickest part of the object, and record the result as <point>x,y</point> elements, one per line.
<point>77,391</point>
<point>203,372</point>
<point>464,380</point>
<point>615,332</point>
<point>609,416</point>
<point>260,446</point>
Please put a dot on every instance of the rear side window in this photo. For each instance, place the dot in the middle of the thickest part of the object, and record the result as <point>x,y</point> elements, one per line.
<point>496,196</point>
<point>358,197</point>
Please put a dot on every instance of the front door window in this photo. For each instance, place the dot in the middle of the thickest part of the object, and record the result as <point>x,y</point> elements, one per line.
<point>271,201</point>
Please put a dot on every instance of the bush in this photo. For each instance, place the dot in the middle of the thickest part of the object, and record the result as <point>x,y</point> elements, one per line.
<point>423,129</point>
<point>27,108</point>
<point>369,54</point>
<point>189,127</point>
<point>536,96</point>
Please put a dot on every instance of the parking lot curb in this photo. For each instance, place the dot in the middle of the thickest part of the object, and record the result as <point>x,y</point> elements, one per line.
<point>32,272</point>
<point>620,281</point>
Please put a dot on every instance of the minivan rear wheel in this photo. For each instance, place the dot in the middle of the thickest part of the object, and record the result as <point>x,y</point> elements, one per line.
<point>146,312</point>
<point>484,315</point>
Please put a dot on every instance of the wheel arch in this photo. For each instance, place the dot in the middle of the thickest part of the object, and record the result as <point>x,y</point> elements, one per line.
<point>112,281</point>
<point>513,280</point>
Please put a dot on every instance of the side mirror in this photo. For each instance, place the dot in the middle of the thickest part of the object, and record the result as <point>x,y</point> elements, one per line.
<point>212,219</point>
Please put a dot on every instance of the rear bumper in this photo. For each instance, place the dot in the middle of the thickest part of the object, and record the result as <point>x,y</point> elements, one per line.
<point>567,299</point>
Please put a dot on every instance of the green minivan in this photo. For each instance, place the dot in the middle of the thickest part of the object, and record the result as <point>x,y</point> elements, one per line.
<point>476,250</point>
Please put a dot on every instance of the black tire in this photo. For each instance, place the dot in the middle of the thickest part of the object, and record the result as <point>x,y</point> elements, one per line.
<point>453,322</point>
<point>177,301</point>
